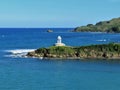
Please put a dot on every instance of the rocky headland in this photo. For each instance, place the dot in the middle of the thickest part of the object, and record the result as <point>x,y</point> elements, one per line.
<point>111,26</point>
<point>103,51</point>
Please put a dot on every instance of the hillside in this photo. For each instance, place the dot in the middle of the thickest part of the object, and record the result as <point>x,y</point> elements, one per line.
<point>111,26</point>
<point>104,51</point>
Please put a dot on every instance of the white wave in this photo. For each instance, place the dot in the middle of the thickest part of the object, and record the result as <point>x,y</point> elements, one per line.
<point>102,40</point>
<point>16,56</point>
<point>18,52</point>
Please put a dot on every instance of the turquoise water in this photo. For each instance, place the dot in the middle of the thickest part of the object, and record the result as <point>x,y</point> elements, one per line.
<point>18,73</point>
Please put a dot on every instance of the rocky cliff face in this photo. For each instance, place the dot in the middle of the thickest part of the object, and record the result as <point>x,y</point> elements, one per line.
<point>105,51</point>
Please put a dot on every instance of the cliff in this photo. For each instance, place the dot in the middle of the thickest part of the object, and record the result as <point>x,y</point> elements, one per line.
<point>111,26</point>
<point>104,51</point>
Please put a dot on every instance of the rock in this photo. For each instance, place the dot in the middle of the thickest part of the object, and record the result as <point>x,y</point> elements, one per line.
<point>49,30</point>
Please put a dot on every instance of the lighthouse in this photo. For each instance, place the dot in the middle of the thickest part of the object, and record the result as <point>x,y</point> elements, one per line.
<point>59,41</point>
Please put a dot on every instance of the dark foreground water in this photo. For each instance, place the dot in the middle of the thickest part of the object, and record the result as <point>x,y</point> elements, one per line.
<point>18,73</point>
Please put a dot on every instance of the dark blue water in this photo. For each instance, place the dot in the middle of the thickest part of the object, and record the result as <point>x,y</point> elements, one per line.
<point>18,73</point>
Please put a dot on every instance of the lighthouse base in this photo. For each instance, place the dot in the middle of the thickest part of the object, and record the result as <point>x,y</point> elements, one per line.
<point>59,44</point>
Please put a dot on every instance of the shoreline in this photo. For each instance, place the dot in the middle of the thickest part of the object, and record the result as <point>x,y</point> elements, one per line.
<point>71,58</point>
<point>103,51</point>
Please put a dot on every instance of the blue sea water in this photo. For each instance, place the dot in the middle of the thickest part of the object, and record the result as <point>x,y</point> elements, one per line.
<point>18,73</point>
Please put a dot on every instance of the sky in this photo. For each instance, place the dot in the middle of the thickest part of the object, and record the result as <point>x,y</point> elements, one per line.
<point>56,13</point>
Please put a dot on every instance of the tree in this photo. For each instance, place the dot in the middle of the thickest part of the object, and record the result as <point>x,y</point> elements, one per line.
<point>116,29</point>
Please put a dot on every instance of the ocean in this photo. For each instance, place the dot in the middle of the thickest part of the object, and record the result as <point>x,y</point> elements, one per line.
<point>22,73</point>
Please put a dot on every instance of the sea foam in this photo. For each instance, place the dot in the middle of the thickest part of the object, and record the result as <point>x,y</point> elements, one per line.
<point>18,52</point>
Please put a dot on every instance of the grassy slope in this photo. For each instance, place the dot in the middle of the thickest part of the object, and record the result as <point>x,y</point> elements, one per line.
<point>103,26</point>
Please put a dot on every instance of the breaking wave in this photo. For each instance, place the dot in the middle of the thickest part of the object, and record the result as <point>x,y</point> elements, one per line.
<point>17,52</point>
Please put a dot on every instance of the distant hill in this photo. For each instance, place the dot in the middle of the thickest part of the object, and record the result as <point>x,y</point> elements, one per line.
<point>111,26</point>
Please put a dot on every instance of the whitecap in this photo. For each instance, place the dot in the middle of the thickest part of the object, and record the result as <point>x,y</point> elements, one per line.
<point>102,40</point>
<point>17,52</point>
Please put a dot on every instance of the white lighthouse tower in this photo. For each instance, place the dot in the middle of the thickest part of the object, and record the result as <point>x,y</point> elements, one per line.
<point>59,42</point>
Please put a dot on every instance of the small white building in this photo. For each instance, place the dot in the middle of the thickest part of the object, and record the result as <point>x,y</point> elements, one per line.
<point>59,42</point>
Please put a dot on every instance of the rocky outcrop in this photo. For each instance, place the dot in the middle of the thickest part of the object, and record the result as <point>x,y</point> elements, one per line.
<point>49,30</point>
<point>104,51</point>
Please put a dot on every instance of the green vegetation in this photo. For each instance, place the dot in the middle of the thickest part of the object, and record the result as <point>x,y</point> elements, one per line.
<point>112,26</point>
<point>99,51</point>
<point>56,51</point>
<point>111,50</point>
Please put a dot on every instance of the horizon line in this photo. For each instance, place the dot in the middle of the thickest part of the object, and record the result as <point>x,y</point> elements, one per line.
<point>35,27</point>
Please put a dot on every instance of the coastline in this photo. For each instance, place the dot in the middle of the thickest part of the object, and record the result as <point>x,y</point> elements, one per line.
<point>111,26</point>
<point>103,51</point>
